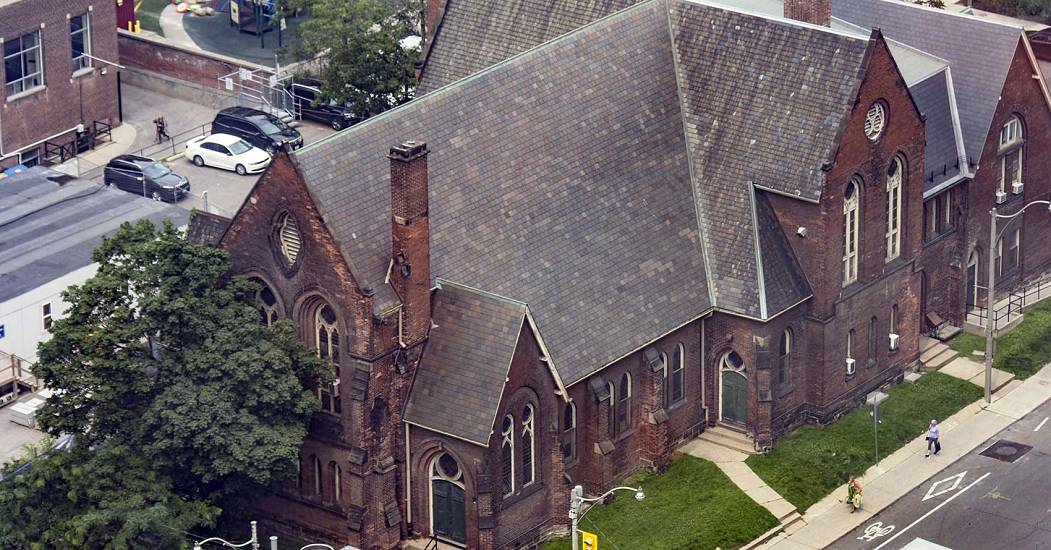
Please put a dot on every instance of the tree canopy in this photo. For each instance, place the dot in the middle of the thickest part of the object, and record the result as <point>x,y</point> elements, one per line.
<point>363,63</point>
<point>164,362</point>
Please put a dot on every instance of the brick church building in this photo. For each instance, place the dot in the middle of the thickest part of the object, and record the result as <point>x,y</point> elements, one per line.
<point>605,227</point>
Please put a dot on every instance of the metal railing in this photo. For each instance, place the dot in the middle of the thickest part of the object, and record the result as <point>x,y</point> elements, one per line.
<point>171,145</point>
<point>14,369</point>
<point>1011,308</point>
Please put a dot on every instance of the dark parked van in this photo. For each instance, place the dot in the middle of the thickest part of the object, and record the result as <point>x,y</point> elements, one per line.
<point>147,177</point>
<point>259,129</point>
<point>307,104</point>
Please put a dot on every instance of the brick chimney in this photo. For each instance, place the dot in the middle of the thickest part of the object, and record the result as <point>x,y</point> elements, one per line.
<point>818,12</point>
<point>410,237</point>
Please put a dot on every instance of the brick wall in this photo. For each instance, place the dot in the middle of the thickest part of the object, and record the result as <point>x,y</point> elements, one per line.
<point>186,64</point>
<point>65,101</point>
<point>818,12</point>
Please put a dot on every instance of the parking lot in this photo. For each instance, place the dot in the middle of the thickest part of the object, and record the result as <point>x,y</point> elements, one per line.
<point>222,190</point>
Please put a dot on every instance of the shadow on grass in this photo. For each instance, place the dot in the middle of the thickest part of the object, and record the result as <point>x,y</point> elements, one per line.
<point>813,461</point>
<point>1023,350</point>
<point>692,505</point>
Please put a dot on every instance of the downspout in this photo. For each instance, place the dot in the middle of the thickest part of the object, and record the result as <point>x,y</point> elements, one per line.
<point>408,477</point>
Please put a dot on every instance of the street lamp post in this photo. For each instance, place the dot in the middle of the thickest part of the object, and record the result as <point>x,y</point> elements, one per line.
<point>994,238</point>
<point>577,500</point>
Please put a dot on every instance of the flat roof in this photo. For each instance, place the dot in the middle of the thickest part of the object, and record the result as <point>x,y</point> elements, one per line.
<point>51,222</point>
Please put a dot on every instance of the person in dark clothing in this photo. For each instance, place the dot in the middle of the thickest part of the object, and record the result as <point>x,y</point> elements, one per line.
<point>162,129</point>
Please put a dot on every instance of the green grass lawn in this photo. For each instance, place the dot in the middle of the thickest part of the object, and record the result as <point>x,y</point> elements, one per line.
<point>966,344</point>
<point>1023,351</point>
<point>812,462</point>
<point>692,505</point>
<point>149,14</point>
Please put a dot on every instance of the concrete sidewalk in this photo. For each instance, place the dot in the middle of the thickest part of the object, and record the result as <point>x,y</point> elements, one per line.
<point>906,469</point>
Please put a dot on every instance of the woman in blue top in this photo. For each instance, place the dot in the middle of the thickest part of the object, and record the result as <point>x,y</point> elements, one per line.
<point>932,439</point>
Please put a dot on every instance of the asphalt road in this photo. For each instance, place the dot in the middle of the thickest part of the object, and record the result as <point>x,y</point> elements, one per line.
<point>979,502</point>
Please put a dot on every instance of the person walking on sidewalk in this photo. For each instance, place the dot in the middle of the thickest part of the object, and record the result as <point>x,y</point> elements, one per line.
<point>854,495</point>
<point>162,129</point>
<point>932,438</point>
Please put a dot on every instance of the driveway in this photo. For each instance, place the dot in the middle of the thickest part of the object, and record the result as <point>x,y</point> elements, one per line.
<point>993,498</point>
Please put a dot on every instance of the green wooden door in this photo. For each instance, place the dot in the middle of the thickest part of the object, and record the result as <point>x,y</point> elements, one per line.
<point>734,402</point>
<point>449,520</point>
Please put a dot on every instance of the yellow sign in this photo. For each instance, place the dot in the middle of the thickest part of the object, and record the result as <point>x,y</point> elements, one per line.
<point>590,540</point>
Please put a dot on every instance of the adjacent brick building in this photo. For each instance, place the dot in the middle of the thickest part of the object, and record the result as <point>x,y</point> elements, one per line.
<point>632,223</point>
<point>50,87</point>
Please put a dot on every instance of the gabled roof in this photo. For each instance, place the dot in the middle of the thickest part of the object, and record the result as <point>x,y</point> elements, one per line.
<point>943,154</point>
<point>495,30</point>
<point>464,367</point>
<point>579,205</point>
<point>207,228</point>
<point>50,223</point>
<point>618,206</point>
<point>979,52</point>
<point>752,117</point>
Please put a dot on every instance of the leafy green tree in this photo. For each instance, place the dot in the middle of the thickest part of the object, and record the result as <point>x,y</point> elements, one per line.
<point>164,360</point>
<point>106,497</point>
<point>358,43</point>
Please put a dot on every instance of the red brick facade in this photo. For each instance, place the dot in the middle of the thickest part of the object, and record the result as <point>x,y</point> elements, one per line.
<point>53,111</point>
<point>386,466</point>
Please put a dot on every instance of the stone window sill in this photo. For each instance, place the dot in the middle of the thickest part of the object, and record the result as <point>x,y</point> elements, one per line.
<point>83,72</point>
<point>27,93</point>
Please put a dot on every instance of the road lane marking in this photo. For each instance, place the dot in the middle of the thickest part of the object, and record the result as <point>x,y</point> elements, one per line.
<point>875,531</point>
<point>956,479</point>
<point>933,510</point>
<point>1041,425</point>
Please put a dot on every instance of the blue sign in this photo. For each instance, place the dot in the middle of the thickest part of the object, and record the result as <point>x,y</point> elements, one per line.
<point>1,331</point>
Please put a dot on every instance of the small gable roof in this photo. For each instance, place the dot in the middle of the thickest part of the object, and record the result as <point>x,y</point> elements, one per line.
<point>207,228</point>
<point>462,373</point>
<point>979,52</point>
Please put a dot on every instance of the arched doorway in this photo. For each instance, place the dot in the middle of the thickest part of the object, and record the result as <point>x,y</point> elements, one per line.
<point>447,499</point>
<point>733,395</point>
<point>972,280</point>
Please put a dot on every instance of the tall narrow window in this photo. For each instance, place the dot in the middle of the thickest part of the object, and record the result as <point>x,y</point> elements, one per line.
<point>851,200</point>
<point>873,341</point>
<point>45,314</point>
<point>1016,246</point>
<point>327,334</point>
<point>624,405</point>
<point>80,40</point>
<point>894,319</point>
<point>316,463</point>
<point>569,432</point>
<point>1011,143</point>
<point>784,356</point>
<point>850,344</point>
<point>23,64</point>
<point>335,474</point>
<point>678,373</point>
<point>999,256</point>
<point>665,385</point>
<point>528,446</point>
<point>894,175</point>
<point>611,412</point>
<point>507,455</point>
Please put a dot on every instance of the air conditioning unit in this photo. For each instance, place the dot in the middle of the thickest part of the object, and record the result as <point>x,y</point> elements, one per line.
<point>1017,187</point>
<point>850,367</point>
<point>1001,197</point>
<point>893,342</point>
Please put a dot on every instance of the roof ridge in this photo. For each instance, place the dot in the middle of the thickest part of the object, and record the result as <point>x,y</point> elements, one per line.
<point>960,15</point>
<point>761,15</point>
<point>440,282</point>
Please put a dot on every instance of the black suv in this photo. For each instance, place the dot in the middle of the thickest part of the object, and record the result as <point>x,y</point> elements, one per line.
<point>147,177</point>
<point>259,129</point>
<point>307,103</point>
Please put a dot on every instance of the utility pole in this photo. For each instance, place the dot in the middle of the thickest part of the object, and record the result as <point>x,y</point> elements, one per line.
<point>990,311</point>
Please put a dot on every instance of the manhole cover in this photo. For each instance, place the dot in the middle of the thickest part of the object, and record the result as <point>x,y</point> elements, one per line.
<point>1007,451</point>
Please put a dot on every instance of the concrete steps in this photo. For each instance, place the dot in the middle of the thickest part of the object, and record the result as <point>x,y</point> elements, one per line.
<point>935,354</point>
<point>728,438</point>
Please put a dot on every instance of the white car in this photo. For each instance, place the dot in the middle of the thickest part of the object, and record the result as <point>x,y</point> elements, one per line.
<point>226,152</point>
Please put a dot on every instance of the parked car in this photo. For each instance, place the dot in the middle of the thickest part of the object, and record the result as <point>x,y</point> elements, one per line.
<point>308,104</point>
<point>147,177</point>
<point>227,152</point>
<point>259,129</point>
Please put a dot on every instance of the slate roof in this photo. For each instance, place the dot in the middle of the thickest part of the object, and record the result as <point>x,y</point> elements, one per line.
<point>50,223</point>
<point>614,206</point>
<point>579,205</point>
<point>979,52</point>
<point>752,117</point>
<point>461,375</point>
<point>943,153</point>
<point>495,30</point>
<point>207,228</point>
